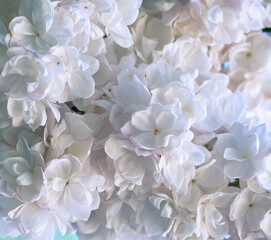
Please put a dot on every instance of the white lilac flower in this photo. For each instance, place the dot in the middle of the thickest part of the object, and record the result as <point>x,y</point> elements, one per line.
<point>188,20</point>
<point>150,34</point>
<point>21,173</point>
<point>75,135</point>
<point>243,149</point>
<point>161,216</point>
<point>10,136</point>
<point>255,91</point>
<point>72,192</point>
<point>116,212</point>
<point>187,53</point>
<point>94,228</point>
<point>212,219</point>
<point>224,21</point>
<point>34,30</point>
<point>207,179</point>
<point>27,79</point>
<point>129,97</point>
<point>135,119</point>
<point>210,90</point>
<point>178,167</point>
<point>123,14</point>
<point>160,73</point>
<point>177,170</point>
<point>32,113</point>
<point>252,55</point>
<point>227,109</point>
<point>128,164</point>
<point>35,220</point>
<point>176,92</point>
<point>75,78</point>
<point>247,211</point>
<point>159,128</point>
<point>26,75</point>
<point>8,227</point>
<point>80,18</point>
<point>227,21</point>
<point>151,218</point>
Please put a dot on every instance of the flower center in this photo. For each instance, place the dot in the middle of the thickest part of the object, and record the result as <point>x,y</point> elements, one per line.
<point>155,132</point>
<point>249,55</point>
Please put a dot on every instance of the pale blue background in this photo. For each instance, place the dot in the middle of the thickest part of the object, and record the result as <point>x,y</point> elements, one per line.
<point>57,237</point>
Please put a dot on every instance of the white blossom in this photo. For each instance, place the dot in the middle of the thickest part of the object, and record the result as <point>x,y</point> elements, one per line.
<point>187,53</point>
<point>247,210</point>
<point>211,218</point>
<point>127,163</point>
<point>75,135</point>
<point>21,172</point>
<point>72,192</point>
<point>26,76</point>
<point>252,55</point>
<point>75,78</point>
<point>158,128</point>
<point>244,149</point>
<point>34,30</point>
<point>135,119</point>
<point>206,179</point>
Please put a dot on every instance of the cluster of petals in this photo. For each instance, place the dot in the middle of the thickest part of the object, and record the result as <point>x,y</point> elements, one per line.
<point>136,119</point>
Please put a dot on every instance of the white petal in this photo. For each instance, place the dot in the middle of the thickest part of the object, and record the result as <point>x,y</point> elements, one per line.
<point>266,224</point>
<point>82,85</point>
<point>151,219</point>
<point>226,140</point>
<point>80,130</point>
<point>59,168</point>
<point>147,140</point>
<point>254,216</point>
<point>233,154</point>
<point>235,169</point>
<point>58,184</point>
<point>143,120</point>
<point>32,217</point>
<point>121,35</point>
<point>215,14</point>
<point>31,193</point>
<point>75,203</point>
<point>20,26</point>
<point>25,179</point>
<point>23,149</point>
<point>238,208</point>
<point>42,16</point>
<point>211,178</point>
<point>265,180</point>
<point>166,120</point>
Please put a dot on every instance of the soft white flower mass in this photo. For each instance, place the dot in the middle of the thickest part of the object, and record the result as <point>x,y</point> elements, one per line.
<point>135,119</point>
